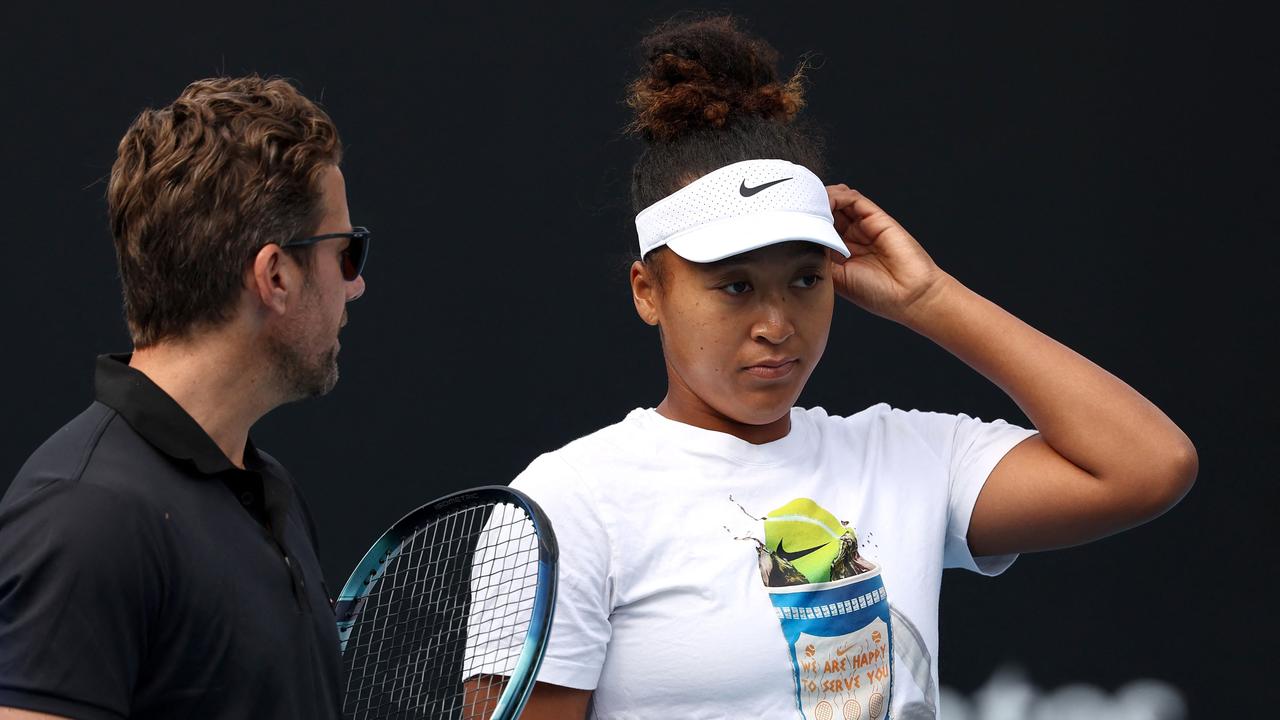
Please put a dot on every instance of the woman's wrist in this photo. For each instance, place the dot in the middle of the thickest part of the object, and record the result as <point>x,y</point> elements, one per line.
<point>936,307</point>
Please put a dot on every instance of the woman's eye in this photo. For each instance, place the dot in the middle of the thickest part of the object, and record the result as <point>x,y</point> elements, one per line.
<point>807,281</point>
<point>737,288</point>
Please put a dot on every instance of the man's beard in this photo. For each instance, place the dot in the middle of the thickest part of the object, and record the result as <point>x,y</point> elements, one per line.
<point>303,376</point>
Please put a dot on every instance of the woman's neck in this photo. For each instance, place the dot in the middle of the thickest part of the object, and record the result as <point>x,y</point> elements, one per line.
<point>682,406</point>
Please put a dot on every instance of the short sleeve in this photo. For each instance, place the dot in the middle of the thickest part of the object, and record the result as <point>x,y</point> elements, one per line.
<point>971,449</point>
<point>580,631</point>
<point>79,586</point>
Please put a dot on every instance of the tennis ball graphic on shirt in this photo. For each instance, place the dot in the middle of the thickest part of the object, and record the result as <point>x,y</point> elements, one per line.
<point>805,535</point>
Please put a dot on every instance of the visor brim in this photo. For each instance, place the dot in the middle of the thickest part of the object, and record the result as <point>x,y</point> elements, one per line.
<point>744,233</point>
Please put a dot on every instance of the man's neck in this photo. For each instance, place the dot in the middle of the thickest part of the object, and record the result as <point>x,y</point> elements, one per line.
<point>224,391</point>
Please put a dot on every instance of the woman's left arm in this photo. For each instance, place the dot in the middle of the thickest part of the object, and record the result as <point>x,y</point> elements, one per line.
<point>1106,458</point>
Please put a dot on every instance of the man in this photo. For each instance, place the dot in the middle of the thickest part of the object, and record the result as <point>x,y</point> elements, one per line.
<point>153,562</point>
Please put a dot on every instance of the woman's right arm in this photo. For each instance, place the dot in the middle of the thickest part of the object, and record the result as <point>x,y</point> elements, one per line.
<point>581,630</point>
<point>556,702</point>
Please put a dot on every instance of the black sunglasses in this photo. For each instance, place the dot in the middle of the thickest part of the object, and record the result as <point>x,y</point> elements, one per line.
<point>353,256</point>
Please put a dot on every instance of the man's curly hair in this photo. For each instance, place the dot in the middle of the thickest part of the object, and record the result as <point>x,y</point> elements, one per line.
<point>200,186</point>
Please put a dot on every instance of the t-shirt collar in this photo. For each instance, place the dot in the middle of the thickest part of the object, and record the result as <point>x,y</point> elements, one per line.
<point>159,419</point>
<point>701,441</point>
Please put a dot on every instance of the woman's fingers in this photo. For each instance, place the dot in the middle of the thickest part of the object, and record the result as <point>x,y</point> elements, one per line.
<point>842,222</point>
<point>869,218</point>
<point>851,209</point>
<point>855,233</point>
<point>837,196</point>
<point>860,250</point>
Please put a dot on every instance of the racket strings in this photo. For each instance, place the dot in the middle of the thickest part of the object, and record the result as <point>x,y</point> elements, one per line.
<point>444,623</point>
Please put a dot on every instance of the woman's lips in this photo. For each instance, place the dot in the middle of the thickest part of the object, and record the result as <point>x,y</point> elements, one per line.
<point>773,369</point>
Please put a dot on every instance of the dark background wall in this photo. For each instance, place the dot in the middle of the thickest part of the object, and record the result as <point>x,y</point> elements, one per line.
<point>1105,172</point>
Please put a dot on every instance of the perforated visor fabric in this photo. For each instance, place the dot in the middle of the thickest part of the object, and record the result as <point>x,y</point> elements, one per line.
<point>739,208</point>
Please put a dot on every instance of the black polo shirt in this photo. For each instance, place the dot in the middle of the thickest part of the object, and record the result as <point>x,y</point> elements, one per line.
<point>143,575</point>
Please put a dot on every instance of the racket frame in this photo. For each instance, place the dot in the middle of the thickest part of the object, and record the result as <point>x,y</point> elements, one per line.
<point>387,548</point>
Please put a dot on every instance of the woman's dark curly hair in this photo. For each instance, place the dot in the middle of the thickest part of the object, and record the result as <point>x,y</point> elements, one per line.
<point>709,95</point>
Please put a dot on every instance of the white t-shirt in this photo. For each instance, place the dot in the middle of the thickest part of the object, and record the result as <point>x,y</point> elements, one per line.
<point>661,609</point>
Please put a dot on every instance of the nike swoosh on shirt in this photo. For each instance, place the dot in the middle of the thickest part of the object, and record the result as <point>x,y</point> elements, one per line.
<point>845,649</point>
<point>749,191</point>
<point>795,554</point>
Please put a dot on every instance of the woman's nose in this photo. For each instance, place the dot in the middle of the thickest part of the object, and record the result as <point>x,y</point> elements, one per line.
<point>773,326</point>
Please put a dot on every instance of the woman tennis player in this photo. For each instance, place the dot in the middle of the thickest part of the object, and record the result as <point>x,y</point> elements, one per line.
<point>728,555</point>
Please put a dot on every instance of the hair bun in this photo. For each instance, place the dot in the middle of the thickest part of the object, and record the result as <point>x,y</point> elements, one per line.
<point>702,73</point>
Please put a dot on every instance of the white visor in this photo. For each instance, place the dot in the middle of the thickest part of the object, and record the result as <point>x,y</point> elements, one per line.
<point>739,208</point>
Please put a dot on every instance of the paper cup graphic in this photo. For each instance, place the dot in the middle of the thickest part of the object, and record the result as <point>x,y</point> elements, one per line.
<point>840,643</point>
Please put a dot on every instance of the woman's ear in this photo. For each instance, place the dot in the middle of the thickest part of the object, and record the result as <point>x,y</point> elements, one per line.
<point>645,291</point>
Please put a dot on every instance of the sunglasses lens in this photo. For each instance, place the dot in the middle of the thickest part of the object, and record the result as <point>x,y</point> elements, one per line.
<point>353,258</point>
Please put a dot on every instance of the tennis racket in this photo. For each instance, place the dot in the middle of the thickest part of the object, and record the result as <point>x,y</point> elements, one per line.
<point>448,614</point>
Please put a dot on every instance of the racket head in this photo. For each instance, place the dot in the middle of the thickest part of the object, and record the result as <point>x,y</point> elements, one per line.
<point>447,535</point>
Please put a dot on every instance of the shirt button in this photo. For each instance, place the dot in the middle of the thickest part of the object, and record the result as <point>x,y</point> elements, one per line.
<point>246,498</point>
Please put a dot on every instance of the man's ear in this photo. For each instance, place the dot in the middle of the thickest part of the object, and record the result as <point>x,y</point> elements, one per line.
<point>645,292</point>
<point>272,277</point>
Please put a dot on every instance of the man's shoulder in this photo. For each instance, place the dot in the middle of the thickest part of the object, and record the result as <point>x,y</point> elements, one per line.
<point>66,453</point>
<point>96,448</point>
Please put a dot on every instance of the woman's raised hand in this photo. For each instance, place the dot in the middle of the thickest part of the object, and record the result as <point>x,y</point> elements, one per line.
<point>888,273</point>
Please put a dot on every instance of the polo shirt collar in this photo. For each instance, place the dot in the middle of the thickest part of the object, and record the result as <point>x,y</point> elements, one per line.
<point>159,419</point>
